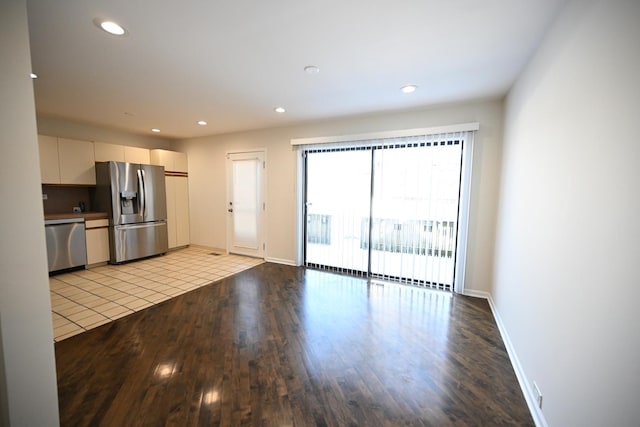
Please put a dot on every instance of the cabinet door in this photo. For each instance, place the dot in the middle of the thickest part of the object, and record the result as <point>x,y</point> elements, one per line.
<point>171,182</point>
<point>136,155</point>
<point>108,152</point>
<point>182,211</point>
<point>180,162</point>
<point>77,162</point>
<point>173,161</point>
<point>161,158</point>
<point>97,242</point>
<point>49,166</point>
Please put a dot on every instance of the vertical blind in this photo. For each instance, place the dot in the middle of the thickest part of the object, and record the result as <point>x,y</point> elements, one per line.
<point>385,208</point>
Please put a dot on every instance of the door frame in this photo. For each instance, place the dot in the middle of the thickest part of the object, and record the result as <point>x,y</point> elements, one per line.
<point>262,232</point>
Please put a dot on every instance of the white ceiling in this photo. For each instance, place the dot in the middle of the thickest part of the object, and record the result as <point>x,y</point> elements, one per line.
<point>230,62</point>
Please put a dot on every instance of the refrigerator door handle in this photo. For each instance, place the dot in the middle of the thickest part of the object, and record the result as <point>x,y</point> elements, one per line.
<point>142,192</point>
<point>141,226</point>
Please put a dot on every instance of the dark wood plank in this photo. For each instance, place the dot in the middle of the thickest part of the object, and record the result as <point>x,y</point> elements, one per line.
<point>281,346</point>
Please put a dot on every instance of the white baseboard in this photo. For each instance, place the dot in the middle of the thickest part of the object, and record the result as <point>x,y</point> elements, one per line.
<point>476,294</point>
<point>536,412</point>
<point>281,261</point>
<point>209,248</point>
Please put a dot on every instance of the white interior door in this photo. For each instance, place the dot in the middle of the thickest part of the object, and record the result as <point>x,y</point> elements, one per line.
<point>245,204</point>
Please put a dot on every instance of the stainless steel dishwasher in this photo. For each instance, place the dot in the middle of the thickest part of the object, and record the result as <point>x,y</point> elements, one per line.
<point>66,245</point>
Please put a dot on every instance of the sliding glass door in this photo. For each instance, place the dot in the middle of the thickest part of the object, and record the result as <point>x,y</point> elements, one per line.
<point>338,189</point>
<point>387,210</point>
<point>414,213</point>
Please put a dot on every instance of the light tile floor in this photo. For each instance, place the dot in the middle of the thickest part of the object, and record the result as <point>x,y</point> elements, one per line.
<point>86,299</point>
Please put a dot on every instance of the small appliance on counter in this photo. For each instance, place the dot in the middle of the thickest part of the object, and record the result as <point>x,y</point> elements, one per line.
<point>66,246</point>
<point>135,198</point>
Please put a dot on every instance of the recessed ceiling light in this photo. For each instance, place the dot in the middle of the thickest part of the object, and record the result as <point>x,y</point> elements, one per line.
<point>279,110</point>
<point>156,130</point>
<point>311,69</point>
<point>409,88</point>
<point>110,27</point>
<point>34,76</point>
<point>202,123</point>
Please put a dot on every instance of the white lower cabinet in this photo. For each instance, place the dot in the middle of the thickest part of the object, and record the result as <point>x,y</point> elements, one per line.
<point>97,238</point>
<point>170,183</point>
<point>177,182</point>
<point>177,210</point>
<point>182,211</point>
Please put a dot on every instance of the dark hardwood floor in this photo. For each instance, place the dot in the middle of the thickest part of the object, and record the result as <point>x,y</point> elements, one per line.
<point>285,346</point>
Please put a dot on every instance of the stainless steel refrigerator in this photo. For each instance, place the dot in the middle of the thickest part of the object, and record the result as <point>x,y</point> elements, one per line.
<point>135,198</point>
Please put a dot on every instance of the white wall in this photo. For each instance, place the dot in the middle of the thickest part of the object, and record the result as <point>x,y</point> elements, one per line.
<point>207,177</point>
<point>566,273</point>
<point>86,132</point>
<point>28,393</point>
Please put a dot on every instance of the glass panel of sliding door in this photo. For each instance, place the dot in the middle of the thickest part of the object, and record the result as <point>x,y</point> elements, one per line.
<point>414,213</point>
<point>338,194</point>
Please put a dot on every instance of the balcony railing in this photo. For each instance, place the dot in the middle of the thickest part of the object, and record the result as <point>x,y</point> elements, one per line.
<point>419,237</point>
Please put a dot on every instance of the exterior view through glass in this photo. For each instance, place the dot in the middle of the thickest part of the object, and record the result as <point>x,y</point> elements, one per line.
<point>388,211</point>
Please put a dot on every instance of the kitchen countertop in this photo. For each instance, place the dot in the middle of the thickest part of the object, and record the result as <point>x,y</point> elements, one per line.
<point>86,215</point>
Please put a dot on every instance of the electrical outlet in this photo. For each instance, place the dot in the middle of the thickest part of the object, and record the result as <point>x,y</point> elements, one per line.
<point>538,394</point>
<point>44,196</point>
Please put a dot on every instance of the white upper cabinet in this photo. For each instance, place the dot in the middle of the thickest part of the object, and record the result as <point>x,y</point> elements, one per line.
<point>180,162</point>
<point>70,161</point>
<point>108,152</point>
<point>136,155</point>
<point>121,153</point>
<point>49,165</point>
<point>77,162</point>
<point>66,161</point>
<point>162,158</point>
<point>173,161</point>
